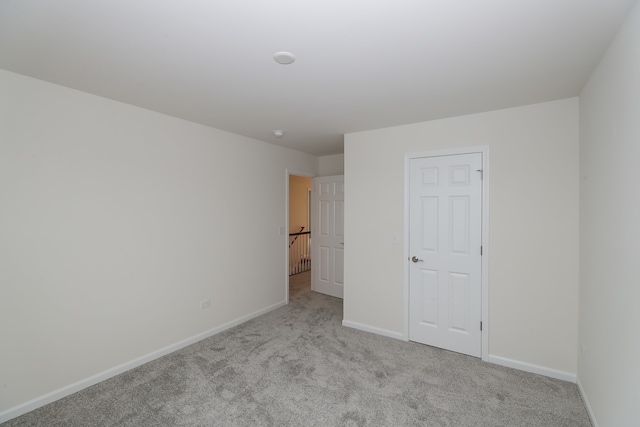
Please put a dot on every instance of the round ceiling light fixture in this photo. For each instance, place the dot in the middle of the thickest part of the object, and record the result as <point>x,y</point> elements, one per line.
<point>284,58</point>
<point>278,133</point>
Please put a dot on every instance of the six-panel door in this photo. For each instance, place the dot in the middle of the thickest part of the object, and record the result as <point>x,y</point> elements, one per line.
<point>327,236</point>
<point>445,225</point>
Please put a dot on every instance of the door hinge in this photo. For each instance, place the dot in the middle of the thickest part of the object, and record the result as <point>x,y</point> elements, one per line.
<point>480,325</point>
<point>481,173</point>
<point>480,250</point>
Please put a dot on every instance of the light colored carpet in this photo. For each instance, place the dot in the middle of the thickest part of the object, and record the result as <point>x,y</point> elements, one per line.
<point>297,366</point>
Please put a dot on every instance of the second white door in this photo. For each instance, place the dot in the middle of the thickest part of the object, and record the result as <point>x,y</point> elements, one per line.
<point>327,235</point>
<point>445,267</point>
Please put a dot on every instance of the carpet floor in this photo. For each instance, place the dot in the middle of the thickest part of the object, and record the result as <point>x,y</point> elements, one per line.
<point>297,366</point>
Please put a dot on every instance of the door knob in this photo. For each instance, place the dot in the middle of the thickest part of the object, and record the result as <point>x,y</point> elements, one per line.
<point>415,259</point>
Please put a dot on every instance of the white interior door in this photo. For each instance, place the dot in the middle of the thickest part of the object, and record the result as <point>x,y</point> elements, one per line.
<point>445,237</point>
<point>327,235</point>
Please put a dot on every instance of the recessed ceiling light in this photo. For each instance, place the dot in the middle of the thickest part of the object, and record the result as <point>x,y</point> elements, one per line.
<point>278,133</point>
<point>284,58</point>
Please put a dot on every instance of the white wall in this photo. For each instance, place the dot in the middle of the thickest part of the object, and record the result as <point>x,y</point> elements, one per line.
<point>115,223</point>
<point>609,370</point>
<point>533,244</point>
<point>331,165</point>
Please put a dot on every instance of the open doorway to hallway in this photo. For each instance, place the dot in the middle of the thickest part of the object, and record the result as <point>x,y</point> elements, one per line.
<point>299,246</point>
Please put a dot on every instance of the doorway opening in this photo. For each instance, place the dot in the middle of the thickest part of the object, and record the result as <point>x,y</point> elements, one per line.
<point>315,258</point>
<point>299,234</point>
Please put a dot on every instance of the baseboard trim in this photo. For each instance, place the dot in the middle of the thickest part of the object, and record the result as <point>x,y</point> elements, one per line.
<point>36,403</point>
<point>502,361</point>
<point>587,405</point>
<point>536,369</point>
<point>373,330</point>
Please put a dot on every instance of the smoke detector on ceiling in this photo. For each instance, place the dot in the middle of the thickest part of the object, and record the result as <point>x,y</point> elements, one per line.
<point>278,133</point>
<point>284,58</point>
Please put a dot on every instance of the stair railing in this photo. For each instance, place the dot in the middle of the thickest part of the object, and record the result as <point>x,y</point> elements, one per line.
<point>299,252</point>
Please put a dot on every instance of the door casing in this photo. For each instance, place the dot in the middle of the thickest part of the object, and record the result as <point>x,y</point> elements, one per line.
<point>484,150</point>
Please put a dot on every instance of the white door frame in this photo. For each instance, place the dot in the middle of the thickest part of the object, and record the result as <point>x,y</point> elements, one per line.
<point>289,172</point>
<point>484,150</point>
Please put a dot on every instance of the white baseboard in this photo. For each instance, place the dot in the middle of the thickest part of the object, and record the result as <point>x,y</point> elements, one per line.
<point>502,361</point>
<point>585,400</point>
<point>536,369</point>
<point>29,406</point>
<point>373,330</point>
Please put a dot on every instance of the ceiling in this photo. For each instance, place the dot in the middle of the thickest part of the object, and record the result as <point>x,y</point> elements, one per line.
<point>360,64</point>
